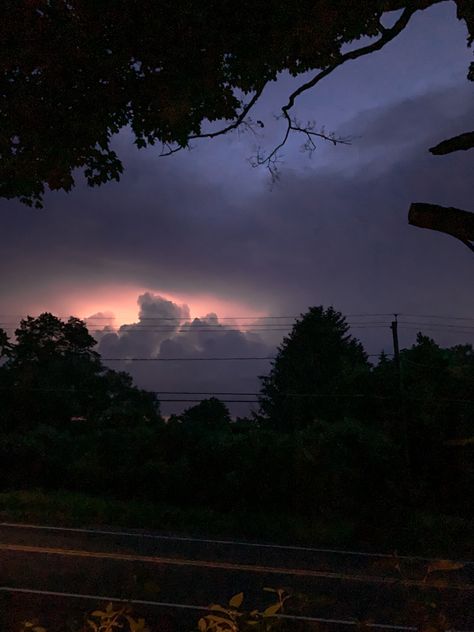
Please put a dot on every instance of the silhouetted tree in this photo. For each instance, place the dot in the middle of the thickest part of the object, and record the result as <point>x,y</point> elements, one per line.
<point>319,372</point>
<point>210,414</point>
<point>66,421</point>
<point>5,345</point>
<point>75,72</point>
<point>437,386</point>
<point>52,374</point>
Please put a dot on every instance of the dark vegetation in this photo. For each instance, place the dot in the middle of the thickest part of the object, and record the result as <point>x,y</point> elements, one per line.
<point>336,439</point>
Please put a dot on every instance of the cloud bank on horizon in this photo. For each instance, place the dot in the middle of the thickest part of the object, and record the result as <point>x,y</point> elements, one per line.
<point>165,331</point>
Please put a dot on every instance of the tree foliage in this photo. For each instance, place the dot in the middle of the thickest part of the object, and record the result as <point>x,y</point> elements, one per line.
<point>67,422</point>
<point>210,414</point>
<point>75,72</point>
<point>318,372</point>
<point>53,375</point>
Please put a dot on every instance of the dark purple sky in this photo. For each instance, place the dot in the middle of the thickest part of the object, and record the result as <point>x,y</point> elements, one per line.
<point>204,228</point>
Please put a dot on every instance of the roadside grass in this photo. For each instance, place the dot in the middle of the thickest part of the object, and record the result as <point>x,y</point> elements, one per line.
<point>413,533</point>
<point>69,509</point>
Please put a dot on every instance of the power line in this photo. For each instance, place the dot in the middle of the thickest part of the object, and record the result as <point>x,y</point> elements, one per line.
<point>255,401</point>
<point>180,327</point>
<point>191,318</point>
<point>460,329</point>
<point>438,325</point>
<point>437,329</point>
<point>132,329</point>
<point>436,316</point>
<point>212,393</point>
<point>379,397</point>
<point>183,325</point>
<point>253,317</point>
<point>203,324</point>
<point>238,394</point>
<point>224,401</point>
<point>200,359</point>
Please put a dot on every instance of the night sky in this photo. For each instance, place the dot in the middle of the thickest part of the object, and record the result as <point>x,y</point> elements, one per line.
<point>203,232</point>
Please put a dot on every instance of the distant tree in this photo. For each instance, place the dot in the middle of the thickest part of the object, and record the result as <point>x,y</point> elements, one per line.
<point>345,464</point>
<point>52,375</point>
<point>437,386</point>
<point>120,403</point>
<point>5,345</point>
<point>438,407</point>
<point>46,338</point>
<point>75,72</point>
<point>319,373</point>
<point>48,371</point>
<point>210,414</point>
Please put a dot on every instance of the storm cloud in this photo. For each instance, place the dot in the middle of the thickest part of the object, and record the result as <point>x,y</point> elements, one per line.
<point>165,351</point>
<point>325,235</point>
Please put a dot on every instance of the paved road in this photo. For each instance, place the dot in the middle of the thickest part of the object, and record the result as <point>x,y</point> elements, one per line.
<point>188,571</point>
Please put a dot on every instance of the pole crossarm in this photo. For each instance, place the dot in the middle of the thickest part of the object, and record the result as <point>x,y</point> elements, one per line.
<point>449,220</point>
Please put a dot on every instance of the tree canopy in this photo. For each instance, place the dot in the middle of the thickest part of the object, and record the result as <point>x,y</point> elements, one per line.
<point>209,414</point>
<point>318,373</point>
<point>75,72</point>
<point>68,423</point>
<point>51,374</point>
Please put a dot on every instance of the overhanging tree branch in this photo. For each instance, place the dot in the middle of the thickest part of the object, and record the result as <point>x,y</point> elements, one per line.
<point>234,125</point>
<point>271,160</point>
<point>449,220</point>
<point>462,142</point>
<point>164,87</point>
<point>387,36</point>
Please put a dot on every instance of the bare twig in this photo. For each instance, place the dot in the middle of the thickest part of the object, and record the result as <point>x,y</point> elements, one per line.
<point>293,125</point>
<point>249,125</point>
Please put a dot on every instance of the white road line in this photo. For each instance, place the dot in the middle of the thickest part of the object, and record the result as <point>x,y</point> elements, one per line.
<point>181,606</point>
<point>219,565</point>
<point>225,542</point>
<point>230,566</point>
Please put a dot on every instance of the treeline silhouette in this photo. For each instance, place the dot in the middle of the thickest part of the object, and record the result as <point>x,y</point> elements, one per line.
<point>334,435</point>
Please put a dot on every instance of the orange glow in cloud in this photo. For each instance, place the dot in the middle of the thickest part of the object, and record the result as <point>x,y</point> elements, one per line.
<point>122,302</point>
<point>200,305</point>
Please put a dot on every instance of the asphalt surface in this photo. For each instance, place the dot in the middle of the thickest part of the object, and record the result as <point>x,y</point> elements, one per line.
<point>174,575</point>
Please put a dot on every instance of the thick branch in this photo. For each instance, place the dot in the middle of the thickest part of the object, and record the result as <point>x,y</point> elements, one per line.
<point>453,221</point>
<point>387,36</point>
<point>457,143</point>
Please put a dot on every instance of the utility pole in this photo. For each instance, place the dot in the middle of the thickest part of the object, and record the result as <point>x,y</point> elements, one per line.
<point>401,398</point>
<point>396,349</point>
